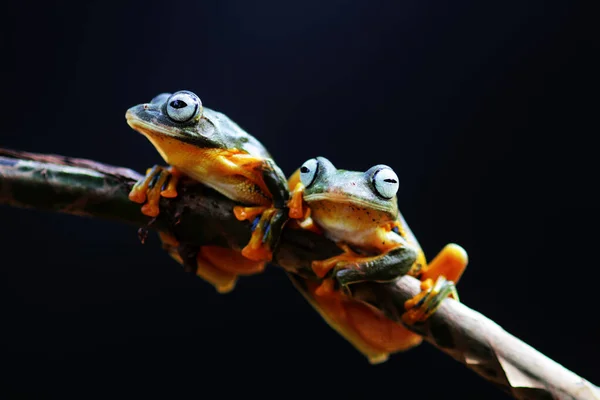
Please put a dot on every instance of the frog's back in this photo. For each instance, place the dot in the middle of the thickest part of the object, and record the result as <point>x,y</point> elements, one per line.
<point>233,136</point>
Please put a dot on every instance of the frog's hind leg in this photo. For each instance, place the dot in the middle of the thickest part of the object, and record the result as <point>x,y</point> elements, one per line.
<point>159,181</point>
<point>223,281</point>
<point>423,305</point>
<point>450,263</point>
<point>192,261</point>
<point>438,282</point>
<point>231,261</point>
<point>218,266</point>
<point>367,329</point>
<point>221,267</point>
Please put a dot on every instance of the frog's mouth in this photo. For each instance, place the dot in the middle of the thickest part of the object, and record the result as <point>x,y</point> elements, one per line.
<point>147,127</point>
<point>344,198</point>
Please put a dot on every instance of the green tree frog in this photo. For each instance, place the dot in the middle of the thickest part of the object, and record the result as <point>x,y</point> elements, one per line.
<point>359,211</point>
<point>207,146</point>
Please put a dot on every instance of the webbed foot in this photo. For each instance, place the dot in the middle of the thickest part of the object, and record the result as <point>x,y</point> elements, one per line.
<point>266,229</point>
<point>445,270</point>
<point>158,182</point>
<point>423,305</point>
<point>218,266</point>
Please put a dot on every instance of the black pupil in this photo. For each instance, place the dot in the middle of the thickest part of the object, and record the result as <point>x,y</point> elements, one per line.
<point>304,170</point>
<point>389,180</point>
<point>178,104</point>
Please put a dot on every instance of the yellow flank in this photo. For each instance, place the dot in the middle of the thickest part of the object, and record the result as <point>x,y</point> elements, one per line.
<point>359,212</point>
<point>367,329</point>
<point>207,147</point>
<point>232,172</point>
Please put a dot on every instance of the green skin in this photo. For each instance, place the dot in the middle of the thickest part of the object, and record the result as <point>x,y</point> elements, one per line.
<point>356,189</point>
<point>215,130</point>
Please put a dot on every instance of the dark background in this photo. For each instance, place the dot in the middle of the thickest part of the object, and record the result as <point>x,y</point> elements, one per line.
<point>485,110</point>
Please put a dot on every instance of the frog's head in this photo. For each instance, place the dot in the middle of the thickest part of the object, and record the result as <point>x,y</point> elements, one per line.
<point>371,193</point>
<point>178,116</point>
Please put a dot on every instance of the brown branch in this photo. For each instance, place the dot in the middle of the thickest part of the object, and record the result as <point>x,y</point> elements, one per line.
<point>200,215</point>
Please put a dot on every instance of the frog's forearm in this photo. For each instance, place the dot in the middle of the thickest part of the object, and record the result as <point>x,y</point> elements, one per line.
<point>276,183</point>
<point>388,266</point>
<point>84,187</point>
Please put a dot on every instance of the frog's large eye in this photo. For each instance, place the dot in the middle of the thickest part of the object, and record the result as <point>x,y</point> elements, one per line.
<point>385,182</point>
<point>183,106</point>
<point>308,172</point>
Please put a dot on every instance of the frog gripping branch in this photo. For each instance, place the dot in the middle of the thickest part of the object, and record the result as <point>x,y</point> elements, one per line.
<point>208,147</point>
<point>93,189</point>
<point>354,209</point>
<point>359,211</point>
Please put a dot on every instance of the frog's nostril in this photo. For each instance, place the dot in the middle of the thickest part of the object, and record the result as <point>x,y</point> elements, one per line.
<point>146,106</point>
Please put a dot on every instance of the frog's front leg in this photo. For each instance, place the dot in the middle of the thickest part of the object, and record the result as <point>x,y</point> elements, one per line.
<point>438,282</point>
<point>159,181</point>
<point>351,267</point>
<point>268,222</point>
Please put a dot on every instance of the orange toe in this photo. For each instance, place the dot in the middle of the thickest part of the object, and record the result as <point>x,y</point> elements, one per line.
<point>247,213</point>
<point>169,193</point>
<point>260,253</point>
<point>137,196</point>
<point>150,209</point>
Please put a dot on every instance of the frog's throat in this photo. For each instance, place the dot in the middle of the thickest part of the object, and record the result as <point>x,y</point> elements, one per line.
<point>345,199</point>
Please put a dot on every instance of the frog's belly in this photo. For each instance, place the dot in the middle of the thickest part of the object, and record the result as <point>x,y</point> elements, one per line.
<point>209,167</point>
<point>364,228</point>
<point>341,232</point>
<point>235,187</point>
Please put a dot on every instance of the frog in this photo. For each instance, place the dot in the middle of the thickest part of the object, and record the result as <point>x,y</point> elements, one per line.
<point>359,212</point>
<point>206,146</point>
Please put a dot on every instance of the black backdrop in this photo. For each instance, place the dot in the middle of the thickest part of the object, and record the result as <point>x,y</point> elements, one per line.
<point>486,111</point>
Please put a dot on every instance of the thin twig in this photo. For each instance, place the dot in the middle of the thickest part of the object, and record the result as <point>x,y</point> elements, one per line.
<point>200,215</point>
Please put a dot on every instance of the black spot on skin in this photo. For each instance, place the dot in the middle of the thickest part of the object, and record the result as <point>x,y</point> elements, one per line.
<point>304,170</point>
<point>442,335</point>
